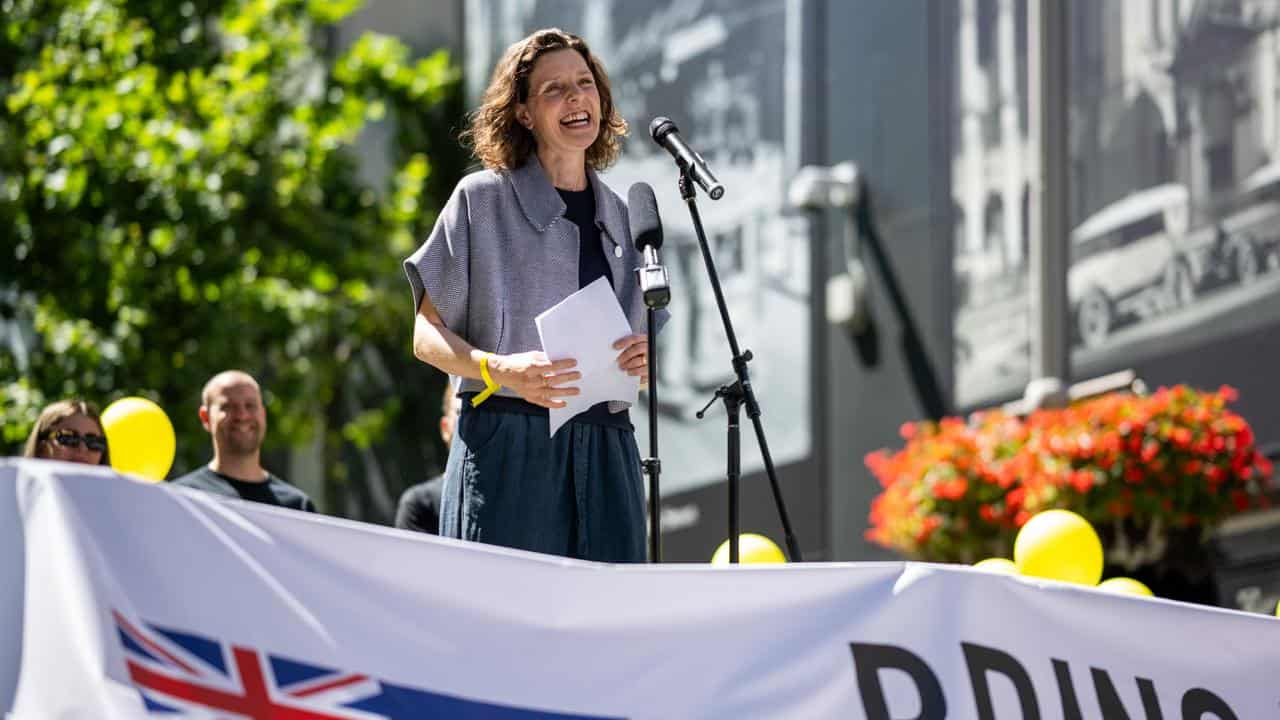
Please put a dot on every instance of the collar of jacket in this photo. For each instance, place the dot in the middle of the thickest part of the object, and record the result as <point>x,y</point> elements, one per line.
<point>542,205</point>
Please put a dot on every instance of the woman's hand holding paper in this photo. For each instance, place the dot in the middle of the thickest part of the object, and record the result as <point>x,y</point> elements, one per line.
<point>634,358</point>
<point>535,378</point>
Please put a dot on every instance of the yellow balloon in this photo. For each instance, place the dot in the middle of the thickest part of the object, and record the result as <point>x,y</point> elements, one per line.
<point>139,437</point>
<point>997,565</point>
<point>753,549</point>
<point>1059,545</point>
<point>1125,586</point>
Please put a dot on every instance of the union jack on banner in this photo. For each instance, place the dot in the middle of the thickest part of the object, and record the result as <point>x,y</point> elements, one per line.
<point>180,674</point>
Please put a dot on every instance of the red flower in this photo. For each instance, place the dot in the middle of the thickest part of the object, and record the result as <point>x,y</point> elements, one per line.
<point>1244,437</point>
<point>907,430</point>
<point>1264,466</point>
<point>1016,497</point>
<point>1242,464</point>
<point>1111,443</point>
<point>1135,442</point>
<point>1182,437</point>
<point>951,489</point>
<point>1082,481</point>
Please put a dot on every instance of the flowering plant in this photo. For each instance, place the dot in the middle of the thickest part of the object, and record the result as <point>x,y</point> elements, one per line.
<point>959,490</point>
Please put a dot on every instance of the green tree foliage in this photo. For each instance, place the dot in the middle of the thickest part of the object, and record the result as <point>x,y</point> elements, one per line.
<point>179,195</point>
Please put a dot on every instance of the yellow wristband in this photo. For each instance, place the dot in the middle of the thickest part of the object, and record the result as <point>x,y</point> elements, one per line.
<point>490,387</point>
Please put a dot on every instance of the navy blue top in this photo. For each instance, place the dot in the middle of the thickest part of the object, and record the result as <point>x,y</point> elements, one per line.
<point>580,209</point>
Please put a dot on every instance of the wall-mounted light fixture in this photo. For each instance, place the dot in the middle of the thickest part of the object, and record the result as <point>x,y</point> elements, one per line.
<point>842,187</point>
<point>817,187</point>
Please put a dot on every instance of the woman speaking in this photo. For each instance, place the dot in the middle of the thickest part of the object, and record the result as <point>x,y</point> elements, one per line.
<point>536,225</point>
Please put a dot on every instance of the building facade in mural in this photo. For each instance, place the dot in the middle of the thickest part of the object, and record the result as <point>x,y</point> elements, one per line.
<point>1173,134</point>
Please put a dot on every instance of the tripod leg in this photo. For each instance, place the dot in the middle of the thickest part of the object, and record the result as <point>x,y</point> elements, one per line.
<point>793,546</point>
<point>735,470</point>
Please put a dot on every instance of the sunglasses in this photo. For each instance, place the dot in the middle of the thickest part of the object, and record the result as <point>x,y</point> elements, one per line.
<point>72,439</point>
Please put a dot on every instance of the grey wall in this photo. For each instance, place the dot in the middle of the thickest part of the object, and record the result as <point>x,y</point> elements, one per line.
<point>884,112</point>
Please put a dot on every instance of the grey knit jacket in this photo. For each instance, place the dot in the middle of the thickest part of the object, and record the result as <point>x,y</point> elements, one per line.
<point>502,252</point>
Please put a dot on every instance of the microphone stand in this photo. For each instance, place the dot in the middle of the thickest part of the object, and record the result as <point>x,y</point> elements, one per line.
<point>657,293</point>
<point>735,395</point>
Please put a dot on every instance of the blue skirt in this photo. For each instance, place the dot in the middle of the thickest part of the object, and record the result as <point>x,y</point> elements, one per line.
<point>578,494</point>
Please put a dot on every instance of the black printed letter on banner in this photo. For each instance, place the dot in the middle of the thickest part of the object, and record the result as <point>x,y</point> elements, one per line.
<point>869,660</point>
<point>1199,701</point>
<point>1067,691</point>
<point>1109,699</point>
<point>981,660</point>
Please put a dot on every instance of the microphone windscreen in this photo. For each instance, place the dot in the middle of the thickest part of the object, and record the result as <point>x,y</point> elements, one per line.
<point>642,209</point>
<point>660,127</point>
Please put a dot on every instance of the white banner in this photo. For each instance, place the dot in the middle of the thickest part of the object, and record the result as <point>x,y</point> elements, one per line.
<point>145,599</point>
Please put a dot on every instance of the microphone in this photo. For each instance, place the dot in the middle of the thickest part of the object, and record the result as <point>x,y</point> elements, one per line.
<point>666,134</point>
<point>646,233</point>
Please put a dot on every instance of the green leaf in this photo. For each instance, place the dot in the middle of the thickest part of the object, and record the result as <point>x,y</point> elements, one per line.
<point>331,11</point>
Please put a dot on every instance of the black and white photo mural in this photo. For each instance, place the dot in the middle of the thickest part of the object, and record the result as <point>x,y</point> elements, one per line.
<point>719,69</point>
<point>990,165</point>
<point>1174,135</point>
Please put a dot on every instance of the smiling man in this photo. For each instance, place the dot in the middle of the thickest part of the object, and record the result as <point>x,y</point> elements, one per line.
<point>231,410</point>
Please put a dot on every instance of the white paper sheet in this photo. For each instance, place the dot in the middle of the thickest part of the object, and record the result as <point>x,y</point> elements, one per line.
<point>584,326</point>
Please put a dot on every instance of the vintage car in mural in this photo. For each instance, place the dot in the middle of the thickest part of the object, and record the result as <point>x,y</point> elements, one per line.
<point>1129,259</point>
<point>1251,234</point>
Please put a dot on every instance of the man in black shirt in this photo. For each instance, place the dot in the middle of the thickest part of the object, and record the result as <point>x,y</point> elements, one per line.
<point>419,507</point>
<point>231,410</point>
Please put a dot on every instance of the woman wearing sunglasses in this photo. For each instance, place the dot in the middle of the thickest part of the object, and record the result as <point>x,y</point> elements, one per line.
<point>69,430</point>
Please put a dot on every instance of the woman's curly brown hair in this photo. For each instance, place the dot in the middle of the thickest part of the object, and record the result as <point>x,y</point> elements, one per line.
<point>500,141</point>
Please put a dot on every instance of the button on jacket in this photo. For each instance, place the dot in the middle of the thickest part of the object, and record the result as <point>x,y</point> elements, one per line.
<point>502,252</point>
